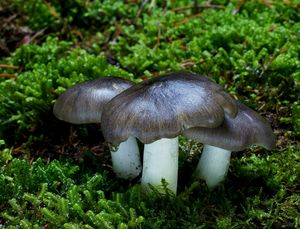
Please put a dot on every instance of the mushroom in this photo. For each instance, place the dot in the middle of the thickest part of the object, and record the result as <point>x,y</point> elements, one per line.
<point>84,103</point>
<point>235,134</point>
<point>156,111</point>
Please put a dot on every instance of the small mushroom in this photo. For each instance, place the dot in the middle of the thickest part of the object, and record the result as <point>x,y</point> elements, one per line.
<point>235,134</point>
<point>156,111</point>
<point>84,103</point>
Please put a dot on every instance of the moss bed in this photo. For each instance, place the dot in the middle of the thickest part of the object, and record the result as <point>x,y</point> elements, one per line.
<point>58,175</point>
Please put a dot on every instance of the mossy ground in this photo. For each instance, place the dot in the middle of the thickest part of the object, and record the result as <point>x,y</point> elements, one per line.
<point>57,175</point>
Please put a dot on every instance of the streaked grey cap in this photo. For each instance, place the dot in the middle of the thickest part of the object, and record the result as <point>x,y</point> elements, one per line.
<point>165,106</point>
<point>84,102</point>
<point>236,134</point>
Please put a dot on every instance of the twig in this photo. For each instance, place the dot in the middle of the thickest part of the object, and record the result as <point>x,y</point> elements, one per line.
<point>30,39</point>
<point>198,7</point>
<point>51,9</point>
<point>158,35</point>
<point>186,19</point>
<point>240,3</point>
<point>141,8</point>
<point>8,75</point>
<point>8,66</point>
<point>11,18</point>
<point>190,62</point>
<point>268,62</point>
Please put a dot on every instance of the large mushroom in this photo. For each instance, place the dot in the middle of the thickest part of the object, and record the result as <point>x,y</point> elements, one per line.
<point>235,134</point>
<point>156,111</point>
<point>84,103</point>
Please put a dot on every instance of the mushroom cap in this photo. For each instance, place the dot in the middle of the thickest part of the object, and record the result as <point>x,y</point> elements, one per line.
<point>84,102</point>
<point>238,133</point>
<point>163,107</point>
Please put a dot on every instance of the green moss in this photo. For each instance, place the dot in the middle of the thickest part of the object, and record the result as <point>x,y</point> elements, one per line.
<point>48,70</point>
<point>49,194</point>
<point>250,47</point>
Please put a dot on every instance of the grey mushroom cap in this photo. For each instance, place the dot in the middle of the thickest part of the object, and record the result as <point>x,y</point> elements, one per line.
<point>235,134</point>
<point>84,102</point>
<point>165,106</point>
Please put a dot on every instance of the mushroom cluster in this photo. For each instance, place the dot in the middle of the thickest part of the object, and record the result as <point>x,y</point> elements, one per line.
<point>156,111</point>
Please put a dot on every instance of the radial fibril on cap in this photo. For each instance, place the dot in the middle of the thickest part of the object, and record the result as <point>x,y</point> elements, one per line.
<point>84,102</point>
<point>164,107</point>
<point>236,134</point>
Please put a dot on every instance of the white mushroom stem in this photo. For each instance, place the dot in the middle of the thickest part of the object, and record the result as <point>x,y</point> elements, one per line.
<point>213,165</point>
<point>161,162</point>
<point>126,159</point>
